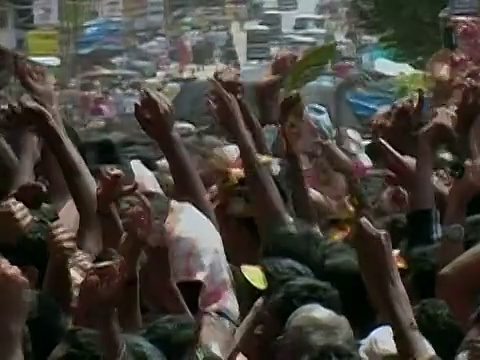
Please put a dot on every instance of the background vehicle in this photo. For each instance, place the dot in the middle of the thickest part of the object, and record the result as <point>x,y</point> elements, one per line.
<point>258,38</point>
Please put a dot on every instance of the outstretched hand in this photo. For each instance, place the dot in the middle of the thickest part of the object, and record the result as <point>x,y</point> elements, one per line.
<point>224,107</point>
<point>154,113</point>
<point>39,83</point>
<point>110,187</point>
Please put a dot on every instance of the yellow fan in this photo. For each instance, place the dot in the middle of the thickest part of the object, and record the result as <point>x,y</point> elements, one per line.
<point>255,276</point>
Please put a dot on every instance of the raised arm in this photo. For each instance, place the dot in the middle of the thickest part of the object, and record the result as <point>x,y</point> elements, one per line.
<point>155,115</point>
<point>266,199</point>
<point>80,182</point>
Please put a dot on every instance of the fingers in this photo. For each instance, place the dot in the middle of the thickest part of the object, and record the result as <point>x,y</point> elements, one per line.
<point>366,230</point>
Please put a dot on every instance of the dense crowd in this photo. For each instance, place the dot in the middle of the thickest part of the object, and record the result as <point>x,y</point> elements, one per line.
<point>242,247</point>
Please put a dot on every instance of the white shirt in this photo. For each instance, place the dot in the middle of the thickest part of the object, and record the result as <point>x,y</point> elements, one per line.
<point>196,254</point>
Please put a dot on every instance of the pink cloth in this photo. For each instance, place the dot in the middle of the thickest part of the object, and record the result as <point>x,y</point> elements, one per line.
<point>196,254</point>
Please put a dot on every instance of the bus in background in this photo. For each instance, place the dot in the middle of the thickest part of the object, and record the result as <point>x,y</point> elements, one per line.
<point>310,25</point>
<point>258,38</point>
<point>298,44</point>
<point>310,22</point>
<point>272,19</point>
<point>287,5</point>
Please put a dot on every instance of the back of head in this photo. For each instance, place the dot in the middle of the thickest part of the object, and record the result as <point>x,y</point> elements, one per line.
<point>341,269</point>
<point>302,291</point>
<point>171,334</point>
<point>437,324</point>
<point>279,270</point>
<point>311,328</point>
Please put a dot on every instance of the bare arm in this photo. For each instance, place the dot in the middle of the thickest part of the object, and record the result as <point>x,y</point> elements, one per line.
<point>187,179</point>
<point>80,183</point>
<point>254,127</point>
<point>8,165</point>
<point>386,290</point>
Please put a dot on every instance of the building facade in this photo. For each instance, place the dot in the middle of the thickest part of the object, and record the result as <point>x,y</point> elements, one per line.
<point>110,8</point>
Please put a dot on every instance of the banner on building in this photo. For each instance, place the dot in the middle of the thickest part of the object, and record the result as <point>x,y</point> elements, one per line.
<point>45,12</point>
<point>43,42</point>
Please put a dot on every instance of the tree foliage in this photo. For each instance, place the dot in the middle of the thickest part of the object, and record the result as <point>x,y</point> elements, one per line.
<point>410,26</point>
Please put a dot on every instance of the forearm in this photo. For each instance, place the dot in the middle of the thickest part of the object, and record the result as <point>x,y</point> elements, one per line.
<point>255,129</point>
<point>8,164</point>
<point>454,214</point>
<point>300,195</point>
<point>28,158</point>
<point>58,285</point>
<point>113,347</point>
<point>407,337</point>
<point>112,229</point>
<point>423,195</point>
<point>11,345</point>
<point>263,192</point>
<point>80,183</point>
<point>186,178</point>
<point>474,139</point>
<point>129,308</point>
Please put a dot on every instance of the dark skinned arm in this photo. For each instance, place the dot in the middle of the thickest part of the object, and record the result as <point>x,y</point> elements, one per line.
<point>300,195</point>
<point>8,165</point>
<point>29,156</point>
<point>57,283</point>
<point>187,179</point>
<point>80,183</point>
<point>129,313</point>
<point>266,198</point>
<point>254,127</point>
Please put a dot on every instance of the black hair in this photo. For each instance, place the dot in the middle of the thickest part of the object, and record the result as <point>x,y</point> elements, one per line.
<point>171,334</point>
<point>280,270</point>
<point>330,261</point>
<point>302,291</point>
<point>83,344</point>
<point>422,271</point>
<point>437,324</point>
<point>341,269</point>
<point>303,244</point>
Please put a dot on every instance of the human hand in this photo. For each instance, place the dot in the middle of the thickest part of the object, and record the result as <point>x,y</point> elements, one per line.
<point>39,83</point>
<point>282,63</point>
<point>137,219</point>
<point>154,113</point>
<point>374,244</point>
<point>15,219</point>
<point>32,194</point>
<point>468,108</point>
<point>399,123</point>
<point>224,107</point>
<point>110,187</point>
<point>99,293</point>
<point>62,242</point>
<point>441,128</point>
<point>14,302</point>
<point>229,78</point>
